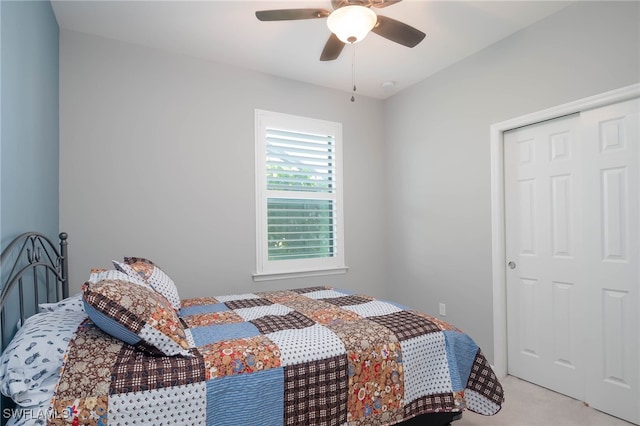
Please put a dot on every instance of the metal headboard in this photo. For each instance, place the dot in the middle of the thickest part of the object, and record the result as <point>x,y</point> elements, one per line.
<point>33,270</point>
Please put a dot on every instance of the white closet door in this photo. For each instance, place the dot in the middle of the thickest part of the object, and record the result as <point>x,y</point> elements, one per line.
<point>572,189</point>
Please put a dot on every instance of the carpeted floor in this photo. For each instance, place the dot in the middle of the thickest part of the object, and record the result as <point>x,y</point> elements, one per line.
<point>527,405</point>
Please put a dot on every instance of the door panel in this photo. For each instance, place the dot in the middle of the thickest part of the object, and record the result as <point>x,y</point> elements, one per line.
<point>611,139</point>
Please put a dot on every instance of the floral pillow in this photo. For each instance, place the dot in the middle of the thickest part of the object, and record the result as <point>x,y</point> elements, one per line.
<point>152,275</point>
<point>137,315</point>
<point>30,365</point>
<point>75,303</point>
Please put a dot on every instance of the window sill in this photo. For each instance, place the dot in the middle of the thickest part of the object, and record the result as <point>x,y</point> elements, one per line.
<point>299,274</point>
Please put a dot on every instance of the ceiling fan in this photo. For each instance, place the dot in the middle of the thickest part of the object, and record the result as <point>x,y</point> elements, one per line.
<point>349,22</point>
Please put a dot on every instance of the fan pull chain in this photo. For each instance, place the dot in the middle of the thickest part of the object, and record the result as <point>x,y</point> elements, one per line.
<point>353,72</point>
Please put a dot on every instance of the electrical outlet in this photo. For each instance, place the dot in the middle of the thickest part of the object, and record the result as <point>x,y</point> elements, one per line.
<point>443,309</point>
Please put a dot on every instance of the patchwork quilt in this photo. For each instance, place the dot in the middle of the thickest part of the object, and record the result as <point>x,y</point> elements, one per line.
<point>312,356</point>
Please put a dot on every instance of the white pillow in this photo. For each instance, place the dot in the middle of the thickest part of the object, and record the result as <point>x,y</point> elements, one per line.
<point>30,365</point>
<point>72,303</point>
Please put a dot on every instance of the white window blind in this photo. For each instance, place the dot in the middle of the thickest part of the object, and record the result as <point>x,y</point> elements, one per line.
<point>299,196</point>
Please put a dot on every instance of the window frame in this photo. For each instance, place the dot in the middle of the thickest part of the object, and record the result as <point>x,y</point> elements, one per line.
<point>276,269</point>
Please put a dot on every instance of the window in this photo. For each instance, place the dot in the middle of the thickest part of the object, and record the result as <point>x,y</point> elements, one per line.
<point>300,223</point>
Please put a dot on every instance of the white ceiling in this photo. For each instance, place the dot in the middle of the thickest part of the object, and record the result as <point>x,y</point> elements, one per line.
<point>228,32</point>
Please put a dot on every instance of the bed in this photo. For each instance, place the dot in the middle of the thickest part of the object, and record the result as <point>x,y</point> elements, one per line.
<point>127,350</point>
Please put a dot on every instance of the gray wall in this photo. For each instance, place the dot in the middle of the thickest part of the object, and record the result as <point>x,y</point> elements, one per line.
<point>157,160</point>
<point>438,158</point>
<point>29,119</point>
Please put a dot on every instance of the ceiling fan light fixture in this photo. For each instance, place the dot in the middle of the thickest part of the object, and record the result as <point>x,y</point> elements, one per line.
<point>351,24</point>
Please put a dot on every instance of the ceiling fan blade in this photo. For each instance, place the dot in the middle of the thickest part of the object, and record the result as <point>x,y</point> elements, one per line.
<point>337,4</point>
<point>398,31</point>
<point>291,14</point>
<point>379,4</point>
<point>332,49</point>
